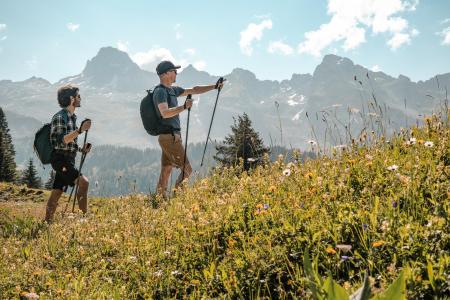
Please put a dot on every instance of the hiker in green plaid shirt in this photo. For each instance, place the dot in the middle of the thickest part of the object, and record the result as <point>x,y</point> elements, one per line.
<point>63,136</point>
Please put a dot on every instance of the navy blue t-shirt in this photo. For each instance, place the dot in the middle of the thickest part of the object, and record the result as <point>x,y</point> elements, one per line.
<point>169,95</point>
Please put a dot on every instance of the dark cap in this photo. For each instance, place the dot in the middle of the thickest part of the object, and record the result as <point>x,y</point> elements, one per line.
<point>165,66</point>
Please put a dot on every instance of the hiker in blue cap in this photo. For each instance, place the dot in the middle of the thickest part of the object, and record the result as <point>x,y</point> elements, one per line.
<point>165,97</point>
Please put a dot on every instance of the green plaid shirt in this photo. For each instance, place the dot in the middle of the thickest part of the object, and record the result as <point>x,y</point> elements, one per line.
<point>59,129</point>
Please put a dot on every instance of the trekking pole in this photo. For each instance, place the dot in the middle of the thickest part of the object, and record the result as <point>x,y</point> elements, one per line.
<point>189,97</point>
<point>83,157</point>
<point>77,184</point>
<point>221,80</point>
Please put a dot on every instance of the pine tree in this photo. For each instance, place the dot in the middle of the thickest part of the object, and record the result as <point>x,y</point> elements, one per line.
<point>7,153</point>
<point>242,143</point>
<point>30,178</point>
<point>49,184</point>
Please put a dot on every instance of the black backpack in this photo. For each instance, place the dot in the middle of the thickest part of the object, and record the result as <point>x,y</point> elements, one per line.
<point>42,144</point>
<point>150,118</point>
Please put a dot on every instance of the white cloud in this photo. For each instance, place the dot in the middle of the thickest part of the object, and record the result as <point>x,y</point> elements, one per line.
<point>350,19</point>
<point>251,33</point>
<point>398,40</point>
<point>200,65</point>
<point>122,46</point>
<point>73,27</point>
<point>445,21</point>
<point>150,59</point>
<point>2,27</point>
<point>3,38</point>
<point>375,68</point>
<point>190,51</point>
<point>178,34</point>
<point>446,36</point>
<point>280,47</point>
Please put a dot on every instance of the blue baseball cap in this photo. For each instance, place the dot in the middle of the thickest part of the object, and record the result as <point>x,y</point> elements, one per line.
<point>165,66</point>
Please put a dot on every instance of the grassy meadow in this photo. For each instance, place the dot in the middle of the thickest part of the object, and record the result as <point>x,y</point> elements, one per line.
<point>369,219</point>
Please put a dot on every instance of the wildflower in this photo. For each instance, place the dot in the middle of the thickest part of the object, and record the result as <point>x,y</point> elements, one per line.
<point>420,142</point>
<point>195,282</point>
<point>251,159</point>
<point>287,172</point>
<point>28,295</point>
<point>403,179</point>
<point>312,142</point>
<point>158,273</point>
<point>392,168</point>
<point>272,189</point>
<point>133,258</point>
<point>428,144</point>
<point>378,244</point>
<point>309,175</point>
<point>385,225</point>
<point>343,147</point>
<point>365,226</point>
<point>345,257</point>
<point>394,204</point>
<point>412,141</point>
<point>175,273</point>
<point>266,206</point>
<point>344,248</point>
<point>330,250</point>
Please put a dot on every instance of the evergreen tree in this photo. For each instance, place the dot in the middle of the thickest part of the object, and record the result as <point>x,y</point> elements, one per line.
<point>7,153</point>
<point>30,178</point>
<point>49,184</point>
<point>242,143</point>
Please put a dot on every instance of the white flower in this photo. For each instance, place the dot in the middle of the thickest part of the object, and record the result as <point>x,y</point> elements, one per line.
<point>251,159</point>
<point>344,248</point>
<point>385,225</point>
<point>428,144</point>
<point>287,172</point>
<point>337,147</point>
<point>30,295</point>
<point>158,273</point>
<point>176,272</point>
<point>132,258</point>
<point>114,221</point>
<point>392,168</point>
<point>412,141</point>
<point>312,142</point>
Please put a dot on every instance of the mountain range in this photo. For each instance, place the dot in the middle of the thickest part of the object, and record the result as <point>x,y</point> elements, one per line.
<point>112,86</point>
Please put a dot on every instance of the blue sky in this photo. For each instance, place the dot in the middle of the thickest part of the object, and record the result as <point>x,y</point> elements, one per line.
<point>273,39</point>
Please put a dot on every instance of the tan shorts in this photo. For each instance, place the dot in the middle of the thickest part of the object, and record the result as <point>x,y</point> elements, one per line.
<point>172,150</point>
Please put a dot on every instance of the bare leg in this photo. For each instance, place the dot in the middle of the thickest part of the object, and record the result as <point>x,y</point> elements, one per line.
<point>52,204</point>
<point>164,180</point>
<point>83,186</point>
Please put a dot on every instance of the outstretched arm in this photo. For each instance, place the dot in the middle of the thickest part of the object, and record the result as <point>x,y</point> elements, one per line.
<point>200,89</point>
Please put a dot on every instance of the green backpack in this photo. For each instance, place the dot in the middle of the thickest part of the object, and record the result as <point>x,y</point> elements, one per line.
<point>42,144</point>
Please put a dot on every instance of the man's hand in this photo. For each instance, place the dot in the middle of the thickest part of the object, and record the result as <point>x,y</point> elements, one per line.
<point>85,125</point>
<point>87,148</point>
<point>219,83</point>
<point>188,103</point>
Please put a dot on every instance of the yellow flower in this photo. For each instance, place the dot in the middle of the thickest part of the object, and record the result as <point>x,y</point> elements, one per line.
<point>309,175</point>
<point>330,250</point>
<point>195,281</point>
<point>272,189</point>
<point>378,244</point>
